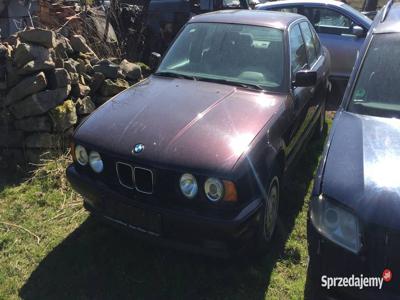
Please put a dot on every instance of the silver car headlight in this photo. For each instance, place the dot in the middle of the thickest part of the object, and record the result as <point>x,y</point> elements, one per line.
<point>336,223</point>
<point>81,155</point>
<point>95,162</point>
<point>214,189</point>
<point>188,185</point>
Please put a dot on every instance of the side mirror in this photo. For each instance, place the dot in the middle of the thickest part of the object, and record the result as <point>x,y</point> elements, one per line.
<point>196,9</point>
<point>358,31</point>
<point>154,61</point>
<point>253,3</point>
<point>305,78</point>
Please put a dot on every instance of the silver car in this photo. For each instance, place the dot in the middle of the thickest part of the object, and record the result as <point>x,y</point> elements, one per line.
<point>341,29</point>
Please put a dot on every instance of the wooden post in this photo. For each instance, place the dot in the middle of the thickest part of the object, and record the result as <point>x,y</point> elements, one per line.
<point>108,12</point>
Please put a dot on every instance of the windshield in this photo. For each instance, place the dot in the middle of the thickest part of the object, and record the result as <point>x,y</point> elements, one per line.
<point>228,53</point>
<point>377,92</point>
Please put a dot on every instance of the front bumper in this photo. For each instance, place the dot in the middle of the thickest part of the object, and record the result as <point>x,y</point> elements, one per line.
<point>172,226</point>
<point>327,258</point>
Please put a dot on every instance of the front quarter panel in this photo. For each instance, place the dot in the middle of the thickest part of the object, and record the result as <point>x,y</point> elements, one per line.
<point>266,151</point>
<point>343,50</point>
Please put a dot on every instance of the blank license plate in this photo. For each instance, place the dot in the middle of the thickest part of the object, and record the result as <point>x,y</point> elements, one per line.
<point>136,217</point>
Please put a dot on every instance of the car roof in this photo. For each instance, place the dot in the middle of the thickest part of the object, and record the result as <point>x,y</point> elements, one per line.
<point>294,2</point>
<point>365,21</point>
<point>391,20</point>
<point>290,2</point>
<point>272,19</point>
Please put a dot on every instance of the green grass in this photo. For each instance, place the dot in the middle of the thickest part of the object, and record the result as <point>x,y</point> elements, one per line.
<point>51,249</point>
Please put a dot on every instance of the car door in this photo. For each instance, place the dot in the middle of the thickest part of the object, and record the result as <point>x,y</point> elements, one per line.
<point>301,96</point>
<point>316,62</point>
<point>335,30</point>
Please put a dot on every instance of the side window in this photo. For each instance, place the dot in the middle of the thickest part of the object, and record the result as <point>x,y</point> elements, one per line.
<point>298,57</point>
<point>316,41</point>
<point>310,47</point>
<point>329,21</point>
<point>230,3</point>
<point>290,9</point>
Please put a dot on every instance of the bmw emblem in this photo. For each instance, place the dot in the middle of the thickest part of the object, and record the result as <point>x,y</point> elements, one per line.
<point>138,148</point>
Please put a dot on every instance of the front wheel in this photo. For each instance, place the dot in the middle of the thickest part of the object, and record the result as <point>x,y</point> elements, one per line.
<point>269,215</point>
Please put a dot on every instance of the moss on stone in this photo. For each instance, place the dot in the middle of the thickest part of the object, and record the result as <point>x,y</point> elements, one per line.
<point>64,116</point>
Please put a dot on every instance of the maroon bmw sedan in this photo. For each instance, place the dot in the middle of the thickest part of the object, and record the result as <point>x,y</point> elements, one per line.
<point>194,155</point>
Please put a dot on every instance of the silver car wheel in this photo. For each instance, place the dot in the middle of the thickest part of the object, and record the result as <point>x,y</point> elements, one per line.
<point>271,209</point>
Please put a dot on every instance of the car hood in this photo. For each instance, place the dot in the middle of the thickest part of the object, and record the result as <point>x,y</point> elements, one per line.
<point>363,165</point>
<point>193,124</point>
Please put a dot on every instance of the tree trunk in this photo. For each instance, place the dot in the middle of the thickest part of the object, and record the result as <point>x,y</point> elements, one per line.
<point>108,16</point>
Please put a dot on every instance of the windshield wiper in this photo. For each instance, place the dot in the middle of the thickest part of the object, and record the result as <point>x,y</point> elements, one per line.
<point>175,75</point>
<point>252,86</point>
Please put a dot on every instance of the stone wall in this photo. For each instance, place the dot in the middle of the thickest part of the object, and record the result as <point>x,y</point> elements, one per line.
<point>48,84</point>
<point>56,13</point>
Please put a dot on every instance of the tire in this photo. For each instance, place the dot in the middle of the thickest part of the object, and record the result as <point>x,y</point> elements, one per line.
<point>269,215</point>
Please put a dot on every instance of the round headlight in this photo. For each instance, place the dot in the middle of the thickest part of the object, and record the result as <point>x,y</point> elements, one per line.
<point>95,162</point>
<point>214,189</point>
<point>188,185</point>
<point>81,155</point>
